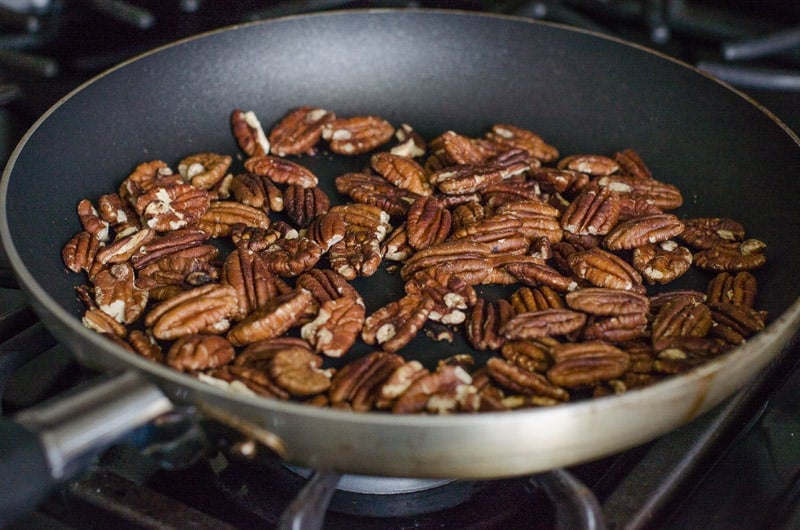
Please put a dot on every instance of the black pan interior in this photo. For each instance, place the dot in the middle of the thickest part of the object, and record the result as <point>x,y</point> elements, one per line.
<point>435,71</point>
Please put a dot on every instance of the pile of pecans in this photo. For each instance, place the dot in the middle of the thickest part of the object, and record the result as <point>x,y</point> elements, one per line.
<point>244,278</point>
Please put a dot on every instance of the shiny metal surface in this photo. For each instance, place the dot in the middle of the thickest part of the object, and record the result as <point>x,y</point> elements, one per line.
<point>76,428</point>
<point>464,446</point>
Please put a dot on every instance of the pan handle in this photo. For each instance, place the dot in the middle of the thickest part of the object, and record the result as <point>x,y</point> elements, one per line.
<point>51,443</point>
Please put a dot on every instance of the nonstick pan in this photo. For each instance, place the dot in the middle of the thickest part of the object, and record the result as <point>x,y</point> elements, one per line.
<point>436,70</point>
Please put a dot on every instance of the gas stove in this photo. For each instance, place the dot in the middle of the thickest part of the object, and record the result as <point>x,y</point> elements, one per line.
<point>734,467</point>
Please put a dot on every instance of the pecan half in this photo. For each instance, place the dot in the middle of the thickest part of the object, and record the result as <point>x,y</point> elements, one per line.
<point>199,352</point>
<point>604,269</point>
<point>336,326</point>
<point>739,288</point>
<point>595,165</point>
<point>594,211</point>
<point>255,284</point>
<point>249,133</point>
<point>80,251</point>
<point>586,363</point>
<point>520,380</point>
<point>116,294</point>
<point>360,382</point>
<point>401,171</point>
<point>281,171</point>
<point>271,320</point>
<point>204,309</point>
<point>427,223</point>
<point>732,257</point>
<point>299,131</point>
<point>709,232</point>
<point>662,263</point>
<point>222,216</point>
<point>356,135</point>
<point>204,170</point>
<point>397,323</point>
<point>485,322</point>
<point>302,205</point>
<point>681,317</point>
<point>542,323</point>
<point>643,230</point>
<point>520,138</point>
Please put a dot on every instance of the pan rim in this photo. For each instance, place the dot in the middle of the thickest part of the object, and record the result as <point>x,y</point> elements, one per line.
<point>43,302</point>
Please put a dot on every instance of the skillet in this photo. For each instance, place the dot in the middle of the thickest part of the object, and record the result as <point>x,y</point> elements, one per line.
<point>436,70</point>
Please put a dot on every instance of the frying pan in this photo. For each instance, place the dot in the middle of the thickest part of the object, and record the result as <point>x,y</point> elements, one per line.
<point>436,70</point>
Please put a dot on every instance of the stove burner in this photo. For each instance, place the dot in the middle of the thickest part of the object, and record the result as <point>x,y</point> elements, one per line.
<point>266,491</point>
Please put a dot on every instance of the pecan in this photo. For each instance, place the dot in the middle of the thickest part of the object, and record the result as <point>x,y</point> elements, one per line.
<point>192,266</point>
<point>631,163</point>
<point>397,323</point>
<point>249,133</point>
<point>735,322</point>
<point>447,382</point>
<point>607,302</point>
<point>732,257</point>
<point>199,352</point>
<point>586,363</point>
<point>396,384</point>
<point>257,191</point>
<point>92,222</point>
<point>118,214</point>
<point>154,249</point>
<point>336,326</point>
<point>204,309</point>
<point>360,382</point>
<point>356,135</point>
<point>466,259</point>
<point>288,257</point>
<point>517,137</point>
<point>327,229</point>
<point>80,251</point>
<point>518,379</point>
<point>411,144</point>
<point>471,178</point>
<point>619,328</point>
<point>326,284</point>
<point>172,206</point>
<point>124,248</point>
<point>595,165</point>
<point>375,191</point>
<point>115,293</point>
<point>222,216</point>
<point>680,317</point>
<point>604,269</point>
<point>396,246</point>
<point>709,232</point>
<point>485,321</point>
<point>364,216</point>
<point>427,223</point>
<point>403,172</point>
<point>304,204</point>
<point>456,148</point>
<point>101,322</point>
<point>145,177</point>
<point>451,295</point>
<point>660,194</point>
<point>643,230</point>
<point>527,354</point>
<point>551,179</point>
<point>542,323</point>
<point>661,263</point>
<point>535,274</point>
<point>281,171</point>
<point>299,131</point>
<point>145,345</point>
<point>299,372</point>
<point>739,288</point>
<point>255,238</point>
<point>594,211</point>
<point>272,319</point>
<point>467,214</point>
<point>255,284</point>
<point>357,254</point>
<point>204,170</point>
<point>260,353</point>
<point>527,299</point>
